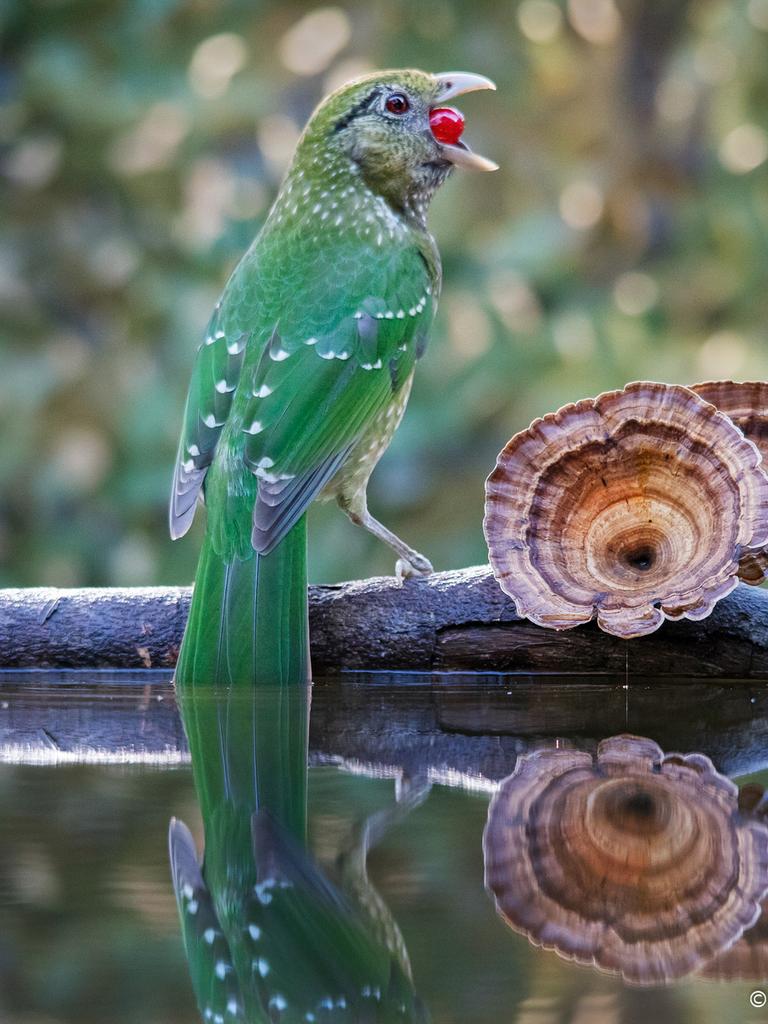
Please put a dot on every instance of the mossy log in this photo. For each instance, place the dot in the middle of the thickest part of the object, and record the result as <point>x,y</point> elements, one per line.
<point>451,621</point>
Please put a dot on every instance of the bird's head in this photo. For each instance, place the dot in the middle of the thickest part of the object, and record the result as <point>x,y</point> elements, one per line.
<point>398,133</point>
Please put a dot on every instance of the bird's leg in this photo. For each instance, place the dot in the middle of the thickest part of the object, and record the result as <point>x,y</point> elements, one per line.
<point>409,562</point>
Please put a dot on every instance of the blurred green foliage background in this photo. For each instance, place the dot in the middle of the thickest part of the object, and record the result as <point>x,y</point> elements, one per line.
<point>141,142</point>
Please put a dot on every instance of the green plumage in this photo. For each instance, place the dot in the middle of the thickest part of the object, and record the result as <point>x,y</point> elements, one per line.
<point>300,383</point>
<point>269,937</point>
<point>297,389</point>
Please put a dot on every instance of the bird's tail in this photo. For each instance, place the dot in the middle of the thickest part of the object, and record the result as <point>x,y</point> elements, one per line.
<point>247,623</point>
<point>242,678</point>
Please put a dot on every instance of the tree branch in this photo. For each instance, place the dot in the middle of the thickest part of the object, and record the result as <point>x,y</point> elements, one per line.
<point>449,621</point>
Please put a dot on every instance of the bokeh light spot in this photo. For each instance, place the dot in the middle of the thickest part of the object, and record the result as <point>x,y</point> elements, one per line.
<point>573,336</point>
<point>34,161</point>
<point>278,135</point>
<point>744,148</point>
<point>152,143</point>
<point>81,459</point>
<point>714,61</point>
<point>581,204</point>
<point>113,261</point>
<point>757,12</point>
<point>635,293</point>
<point>215,62</point>
<point>469,330</point>
<point>309,46</point>
<point>344,72</point>
<point>133,561</point>
<point>209,196</point>
<point>676,99</point>
<point>515,301</point>
<point>539,20</point>
<point>597,21</point>
<point>722,356</point>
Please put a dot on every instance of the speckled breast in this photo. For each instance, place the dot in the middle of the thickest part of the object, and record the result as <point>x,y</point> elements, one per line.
<point>353,475</point>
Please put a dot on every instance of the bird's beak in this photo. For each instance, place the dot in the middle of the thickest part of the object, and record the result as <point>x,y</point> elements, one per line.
<point>461,155</point>
<point>457,83</point>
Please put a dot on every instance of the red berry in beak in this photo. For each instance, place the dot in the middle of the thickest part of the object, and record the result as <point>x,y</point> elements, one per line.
<point>447,124</point>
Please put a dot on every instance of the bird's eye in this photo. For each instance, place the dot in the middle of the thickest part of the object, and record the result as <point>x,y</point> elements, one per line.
<point>397,103</point>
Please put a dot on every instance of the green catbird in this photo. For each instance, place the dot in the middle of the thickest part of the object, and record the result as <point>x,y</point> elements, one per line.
<point>307,365</point>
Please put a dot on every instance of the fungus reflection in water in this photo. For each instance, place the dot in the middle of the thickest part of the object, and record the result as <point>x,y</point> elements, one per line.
<point>747,959</point>
<point>639,863</point>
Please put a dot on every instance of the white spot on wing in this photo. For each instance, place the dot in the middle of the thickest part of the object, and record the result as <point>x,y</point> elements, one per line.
<point>262,889</point>
<point>334,355</point>
<point>261,966</point>
<point>236,347</point>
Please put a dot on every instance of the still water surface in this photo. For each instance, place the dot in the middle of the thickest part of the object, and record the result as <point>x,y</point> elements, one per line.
<point>89,928</point>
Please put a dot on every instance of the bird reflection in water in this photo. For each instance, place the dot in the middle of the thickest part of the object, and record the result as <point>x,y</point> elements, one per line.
<point>642,864</point>
<point>268,936</point>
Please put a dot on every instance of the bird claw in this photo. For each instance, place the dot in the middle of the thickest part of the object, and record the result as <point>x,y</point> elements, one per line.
<point>412,790</point>
<point>415,565</point>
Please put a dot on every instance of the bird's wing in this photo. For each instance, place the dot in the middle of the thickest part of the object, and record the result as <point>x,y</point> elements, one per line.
<point>209,401</point>
<point>214,981</point>
<point>316,947</point>
<point>335,350</point>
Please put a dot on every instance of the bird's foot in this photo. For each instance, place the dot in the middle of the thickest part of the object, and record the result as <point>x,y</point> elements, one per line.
<point>412,789</point>
<point>414,565</point>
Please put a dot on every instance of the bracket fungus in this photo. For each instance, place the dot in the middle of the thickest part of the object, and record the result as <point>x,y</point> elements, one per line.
<point>746,403</point>
<point>747,959</point>
<point>635,862</point>
<point>631,507</point>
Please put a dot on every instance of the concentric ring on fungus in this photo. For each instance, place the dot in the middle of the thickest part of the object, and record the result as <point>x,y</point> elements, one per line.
<point>746,403</point>
<point>633,506</point>
<point>633,861</point>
